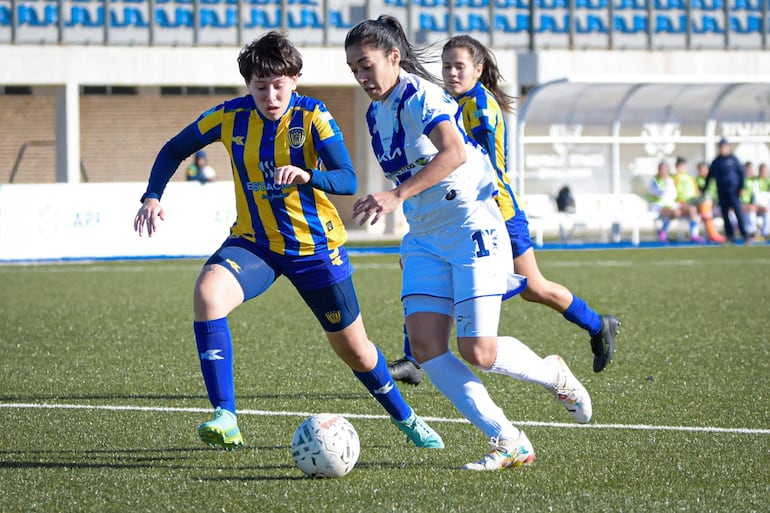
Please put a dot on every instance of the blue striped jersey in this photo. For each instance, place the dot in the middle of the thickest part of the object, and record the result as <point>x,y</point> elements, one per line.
<point>483,120</point>
<point>399,127</point>
<point>290,219</point>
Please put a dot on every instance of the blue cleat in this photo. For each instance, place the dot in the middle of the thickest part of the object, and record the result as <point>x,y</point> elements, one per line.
<point>221,431</point>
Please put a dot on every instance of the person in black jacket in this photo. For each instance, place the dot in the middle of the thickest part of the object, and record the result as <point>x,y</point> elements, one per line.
<point>728,173</point>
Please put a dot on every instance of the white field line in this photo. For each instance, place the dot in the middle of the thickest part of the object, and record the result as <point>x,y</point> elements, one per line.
<point>264,413</point>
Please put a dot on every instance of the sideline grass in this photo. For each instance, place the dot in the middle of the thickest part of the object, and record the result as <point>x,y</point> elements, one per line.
<point>693,352</point>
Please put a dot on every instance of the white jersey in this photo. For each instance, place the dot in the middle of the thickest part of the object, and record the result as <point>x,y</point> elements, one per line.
<point>399,127</point>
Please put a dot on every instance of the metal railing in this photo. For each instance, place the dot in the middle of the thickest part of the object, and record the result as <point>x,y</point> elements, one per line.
<point>30,144</point>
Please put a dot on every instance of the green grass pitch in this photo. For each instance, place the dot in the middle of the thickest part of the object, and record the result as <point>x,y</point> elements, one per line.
<point>101,394</point>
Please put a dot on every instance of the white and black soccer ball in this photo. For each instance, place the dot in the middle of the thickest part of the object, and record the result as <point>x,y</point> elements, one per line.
<point>325,445</point>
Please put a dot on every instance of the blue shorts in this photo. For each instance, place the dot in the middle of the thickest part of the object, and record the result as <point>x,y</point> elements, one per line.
<point>323,279</point>
<point>518,231</point>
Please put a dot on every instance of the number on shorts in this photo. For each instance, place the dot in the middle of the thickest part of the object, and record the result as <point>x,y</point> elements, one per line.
<point>478,238</point>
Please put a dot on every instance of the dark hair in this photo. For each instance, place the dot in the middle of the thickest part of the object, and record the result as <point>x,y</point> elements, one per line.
<point>270,55</point>
<point>386,33</point>
<point>490,73</point>
<point>680,160</point>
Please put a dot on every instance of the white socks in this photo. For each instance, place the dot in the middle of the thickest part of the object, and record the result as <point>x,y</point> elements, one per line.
<point>751,222</point>
<point>517,360</point>
<point>465,391</point>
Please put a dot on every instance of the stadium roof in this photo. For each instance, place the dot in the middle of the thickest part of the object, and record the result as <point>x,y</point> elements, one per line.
<point>663,115</point>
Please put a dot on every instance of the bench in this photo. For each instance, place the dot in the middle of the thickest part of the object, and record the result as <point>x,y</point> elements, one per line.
<point>609,216</point>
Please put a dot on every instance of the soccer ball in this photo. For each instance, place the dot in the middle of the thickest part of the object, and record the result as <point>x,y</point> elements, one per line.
<point>325,445</point>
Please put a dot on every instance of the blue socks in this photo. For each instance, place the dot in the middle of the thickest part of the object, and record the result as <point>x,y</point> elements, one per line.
<point>215,350</point>
<point>382,388</point>
<point>581,314</point>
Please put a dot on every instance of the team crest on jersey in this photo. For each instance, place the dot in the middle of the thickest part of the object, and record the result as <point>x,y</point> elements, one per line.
<point>296,137</point>
<point>334,317</point>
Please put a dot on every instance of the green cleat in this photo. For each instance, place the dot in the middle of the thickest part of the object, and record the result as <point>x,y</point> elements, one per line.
<point>221,431</point>
<point>419,432</point>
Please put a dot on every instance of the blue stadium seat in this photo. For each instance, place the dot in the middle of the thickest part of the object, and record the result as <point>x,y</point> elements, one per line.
<point>591,4</point>
<point>28,15</point>
<point>638,24</point>
<point>630,5</point>
<point>336,20</point>
<point>550,24</point>
<point>550,5</point>
<point>132,17</point>
<point>670,24</point>
<point>707,5</point>
<point>476,23</point>
<point>592,24</point>
<point>182,18</point>
<point>260,19</point>
<point>522,24</point>
<point>210,18</point>
<point>5,16</point>
<point>747,5</point>
<point>706,25</point>
<point>669,5</point>
<point>753,25</point>
<point>81,16</point>
<point>307,19</point>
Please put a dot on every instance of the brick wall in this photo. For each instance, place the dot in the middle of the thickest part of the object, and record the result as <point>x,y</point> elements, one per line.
<point>120,135</point>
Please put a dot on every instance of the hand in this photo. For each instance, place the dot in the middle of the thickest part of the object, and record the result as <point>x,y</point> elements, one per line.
<point>375,205</point>
<point>290,175</point>
<point>149,215</point>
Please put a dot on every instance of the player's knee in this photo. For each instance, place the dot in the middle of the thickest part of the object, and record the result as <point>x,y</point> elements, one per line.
<point>477,352</point>
<point>215,294</point>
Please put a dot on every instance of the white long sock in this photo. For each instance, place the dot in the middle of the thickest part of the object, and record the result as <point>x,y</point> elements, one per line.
<point>467,393</point>
<point>517,360</point>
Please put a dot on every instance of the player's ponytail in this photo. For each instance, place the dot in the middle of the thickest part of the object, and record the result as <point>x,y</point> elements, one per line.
<point>490,73</point>
<point>386,33</point>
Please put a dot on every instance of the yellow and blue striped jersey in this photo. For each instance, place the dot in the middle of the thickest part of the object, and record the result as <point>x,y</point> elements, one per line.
<point>290,219</point>
<point>483,120</point>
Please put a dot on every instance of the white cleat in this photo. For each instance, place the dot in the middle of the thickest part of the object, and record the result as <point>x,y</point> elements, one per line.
<point>506,452</point>
<point>570,392</point>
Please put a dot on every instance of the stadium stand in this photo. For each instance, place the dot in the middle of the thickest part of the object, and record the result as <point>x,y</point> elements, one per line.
<point>634,45</point>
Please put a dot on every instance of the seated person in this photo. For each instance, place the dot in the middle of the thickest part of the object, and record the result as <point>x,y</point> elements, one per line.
<point>751,206</point>
<point>687,197</point>
<point>200,169</point>
<point>662,197</point>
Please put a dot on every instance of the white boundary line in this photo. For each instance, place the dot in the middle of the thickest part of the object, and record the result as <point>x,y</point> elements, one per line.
<point>265,413</point>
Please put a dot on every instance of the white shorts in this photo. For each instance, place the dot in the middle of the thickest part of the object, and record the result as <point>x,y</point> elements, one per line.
<point>478,317</point>
<point>459,262</point>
